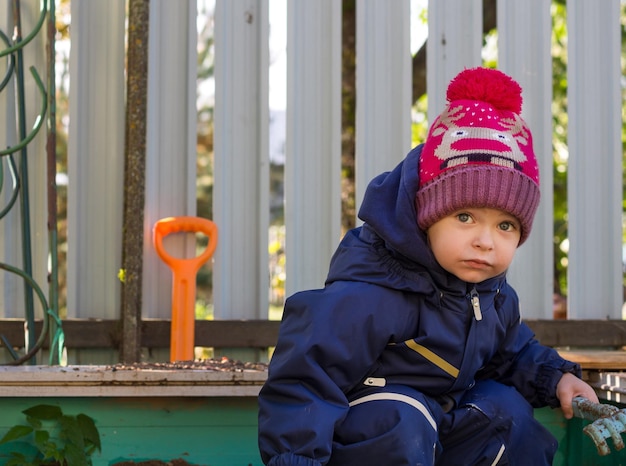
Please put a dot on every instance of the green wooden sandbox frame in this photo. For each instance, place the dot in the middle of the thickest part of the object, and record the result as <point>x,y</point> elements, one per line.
<point>206,418</point>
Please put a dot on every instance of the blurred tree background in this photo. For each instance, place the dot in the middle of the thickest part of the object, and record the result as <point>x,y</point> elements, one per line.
<point>419,129</point>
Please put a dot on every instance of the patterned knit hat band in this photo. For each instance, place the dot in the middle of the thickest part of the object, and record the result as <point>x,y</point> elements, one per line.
<point>478,187</point>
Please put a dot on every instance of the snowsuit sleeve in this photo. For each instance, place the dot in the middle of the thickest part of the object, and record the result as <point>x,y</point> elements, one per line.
<point>327,342</point>
<point>532,368</point>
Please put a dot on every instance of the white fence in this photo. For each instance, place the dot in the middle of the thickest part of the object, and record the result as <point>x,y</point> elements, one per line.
<point>313,144</point>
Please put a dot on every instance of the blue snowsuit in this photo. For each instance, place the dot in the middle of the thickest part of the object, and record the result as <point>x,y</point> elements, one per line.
<point>389,365</point>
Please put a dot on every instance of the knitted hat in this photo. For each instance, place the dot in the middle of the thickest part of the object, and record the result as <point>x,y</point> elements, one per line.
<point>479,152</point>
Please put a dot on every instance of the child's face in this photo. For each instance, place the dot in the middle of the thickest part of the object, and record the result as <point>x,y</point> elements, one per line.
<point>476,243</point>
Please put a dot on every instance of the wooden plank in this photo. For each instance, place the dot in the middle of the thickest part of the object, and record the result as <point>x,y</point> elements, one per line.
<point>580,333</point>
<point>155,333</point>
<point>597,360</point>
<point>82,380</point>
<point>216,333</point>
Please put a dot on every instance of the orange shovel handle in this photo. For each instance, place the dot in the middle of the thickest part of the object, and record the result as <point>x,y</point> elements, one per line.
<point>184,280</point>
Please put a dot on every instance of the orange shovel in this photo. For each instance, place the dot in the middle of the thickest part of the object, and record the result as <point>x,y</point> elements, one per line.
<point>184,280</point>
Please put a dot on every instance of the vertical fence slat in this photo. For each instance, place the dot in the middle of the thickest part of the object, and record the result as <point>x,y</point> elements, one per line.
<point>595,159</point>
<point>171,143</point>
<point>383,83</point>
<point>95,158</point>
<point>454,43</point>
<point>241,183</point>
<point>10,242</point>
<point>11,286</point>
<point>313,144</point>
<point>524,44</point>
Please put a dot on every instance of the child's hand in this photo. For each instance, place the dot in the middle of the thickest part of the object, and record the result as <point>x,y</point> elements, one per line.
<point>569,387</point>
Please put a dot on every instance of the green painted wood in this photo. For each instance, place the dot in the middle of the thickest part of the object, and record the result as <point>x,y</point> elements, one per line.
<point>575,448</point>
<point>203,431</point>
<point>222,431</point>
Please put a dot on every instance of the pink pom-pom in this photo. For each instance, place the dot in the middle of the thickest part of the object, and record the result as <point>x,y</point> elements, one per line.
<point>486,85</point>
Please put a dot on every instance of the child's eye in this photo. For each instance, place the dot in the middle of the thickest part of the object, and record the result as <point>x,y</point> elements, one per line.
<point>507,226</point>
<point>463,217</point>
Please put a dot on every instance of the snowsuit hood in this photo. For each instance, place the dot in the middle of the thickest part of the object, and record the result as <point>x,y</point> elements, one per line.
<point>388,210</point>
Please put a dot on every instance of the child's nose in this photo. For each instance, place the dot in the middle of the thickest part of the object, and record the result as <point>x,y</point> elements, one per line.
<point>483,239</point>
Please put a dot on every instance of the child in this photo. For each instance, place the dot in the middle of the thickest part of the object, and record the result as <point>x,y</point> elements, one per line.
<point>414,352</point>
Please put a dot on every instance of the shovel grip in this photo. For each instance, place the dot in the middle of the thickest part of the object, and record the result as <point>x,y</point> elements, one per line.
<point>167,226</point>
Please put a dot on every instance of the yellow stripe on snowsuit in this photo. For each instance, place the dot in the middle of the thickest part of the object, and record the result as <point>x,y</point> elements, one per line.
<point>432,357</point>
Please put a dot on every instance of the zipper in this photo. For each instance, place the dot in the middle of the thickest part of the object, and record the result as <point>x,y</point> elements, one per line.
<point>476,304</point>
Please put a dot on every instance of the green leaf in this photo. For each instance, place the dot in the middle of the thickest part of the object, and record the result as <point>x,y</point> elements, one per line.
<point>89,430</point>
<point>70,431</point>
<point>34,422</point>
<point>76,456</point>
<point>44,412</point>
<point>16,432</point>
<point>41,439</point>
<point>17,459</point>
<point>50,450</point>
<point>56,438</point>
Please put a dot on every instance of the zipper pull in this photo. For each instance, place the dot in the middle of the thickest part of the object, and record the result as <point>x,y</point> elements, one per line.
<point>476,304</point>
